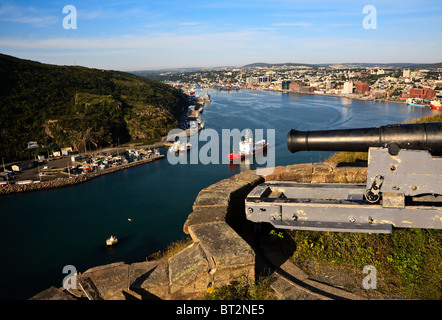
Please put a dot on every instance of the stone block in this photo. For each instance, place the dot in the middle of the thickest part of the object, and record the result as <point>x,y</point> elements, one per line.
<point>296,173</point>
<point>149,279</point>
<point>226,275</point>
<point>321,168</point>
<point>188,270</point>
<point>110,280</point>
<point>234,188</point>
<point>356,175</point>
<point>202,215</point>
<point>250,177</point>
<point>53,293</point>
<point>212,198</point>
<point>227,248</point>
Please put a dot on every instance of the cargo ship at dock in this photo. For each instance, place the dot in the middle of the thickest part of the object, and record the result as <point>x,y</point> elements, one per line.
<point>248,147</point>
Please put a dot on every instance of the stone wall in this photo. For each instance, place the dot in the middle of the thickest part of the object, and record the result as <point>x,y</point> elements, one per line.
<point>218,253</point>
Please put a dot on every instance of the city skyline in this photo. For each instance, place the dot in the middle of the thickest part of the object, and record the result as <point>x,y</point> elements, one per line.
<point>136,35</point>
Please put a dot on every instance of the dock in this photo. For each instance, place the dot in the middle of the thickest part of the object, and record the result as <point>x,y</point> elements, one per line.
<point>64,181</point>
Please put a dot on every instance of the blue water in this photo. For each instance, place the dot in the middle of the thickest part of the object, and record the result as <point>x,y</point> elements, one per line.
<point>42,232</point>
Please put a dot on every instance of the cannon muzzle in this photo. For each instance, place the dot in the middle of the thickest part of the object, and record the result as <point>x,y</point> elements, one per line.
<point>419,136</point>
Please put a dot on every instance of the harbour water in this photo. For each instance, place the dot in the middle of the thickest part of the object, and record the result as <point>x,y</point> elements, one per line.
<point>146,206</point>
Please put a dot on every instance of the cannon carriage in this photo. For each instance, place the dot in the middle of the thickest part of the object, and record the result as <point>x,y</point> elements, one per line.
<point>403,187</point>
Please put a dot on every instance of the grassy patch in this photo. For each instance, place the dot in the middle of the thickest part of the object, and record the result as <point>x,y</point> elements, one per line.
<point>242,289</point>
<point>408,261</point>
<point>172,249</point>
<point>348,157</point>
<point>435,118</point>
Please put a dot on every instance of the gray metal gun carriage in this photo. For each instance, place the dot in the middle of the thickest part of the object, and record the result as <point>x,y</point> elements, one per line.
<point>403,189</point>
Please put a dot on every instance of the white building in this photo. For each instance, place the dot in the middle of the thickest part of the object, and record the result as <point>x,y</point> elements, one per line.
<point>348,87</point>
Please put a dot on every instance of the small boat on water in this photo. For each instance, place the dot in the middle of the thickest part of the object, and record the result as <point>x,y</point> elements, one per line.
<point>175,147</point>
<point>248,147</point>
<point>180,147</point>
<point>185,147</point>
<point>435,104</point>
<point>416,103</point>
<point>207,97</point>
<point>111,241</point>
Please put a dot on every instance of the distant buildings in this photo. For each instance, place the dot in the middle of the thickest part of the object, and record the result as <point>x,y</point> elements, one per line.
<point>425,93</point>
<point>266,78</point>
<point>362,87</point>
<point>367,82</point>
<point>252,80</point>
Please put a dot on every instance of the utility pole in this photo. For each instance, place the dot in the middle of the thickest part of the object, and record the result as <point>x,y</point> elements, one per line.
<point>4,170</point>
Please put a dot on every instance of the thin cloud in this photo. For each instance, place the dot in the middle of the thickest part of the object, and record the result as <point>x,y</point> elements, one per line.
<point>292,24</point>
<point>26,15</point>
<point>189,23</point>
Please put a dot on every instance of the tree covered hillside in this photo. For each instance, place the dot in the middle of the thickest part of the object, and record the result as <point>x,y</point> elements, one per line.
<point>70,106</point>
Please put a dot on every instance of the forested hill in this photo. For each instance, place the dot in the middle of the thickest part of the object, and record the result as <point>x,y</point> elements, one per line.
<point>62,106</point>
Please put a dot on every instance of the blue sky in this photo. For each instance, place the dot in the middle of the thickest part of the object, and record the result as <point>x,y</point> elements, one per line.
<point>139,35</point>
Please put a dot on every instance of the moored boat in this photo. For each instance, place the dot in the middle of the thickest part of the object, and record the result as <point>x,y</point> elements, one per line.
<point>248,147</point>
<point>111,241</point>
<point>435,104</point>
<point>175,147</point>
<point>185,147</point>
<point>416,103</point>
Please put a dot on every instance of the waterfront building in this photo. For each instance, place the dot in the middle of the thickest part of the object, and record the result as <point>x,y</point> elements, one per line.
<point>66,151</point>
<point>23,166</point>
<point>362,87</point>
<point>425,93</point>
<point>285,85</point>
<point>348,87</point>
<point>295,85</point>
<point>264,79</point>
<point>252,80</point>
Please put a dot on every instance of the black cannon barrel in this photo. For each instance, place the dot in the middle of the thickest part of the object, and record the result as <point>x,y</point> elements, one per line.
<point>419,136</point>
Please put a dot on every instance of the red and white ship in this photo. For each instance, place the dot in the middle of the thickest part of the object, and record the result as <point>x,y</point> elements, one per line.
<point>248,147</point>
<point>435,104</point>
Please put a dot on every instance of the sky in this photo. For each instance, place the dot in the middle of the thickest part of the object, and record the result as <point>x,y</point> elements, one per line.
<point>148,35</point>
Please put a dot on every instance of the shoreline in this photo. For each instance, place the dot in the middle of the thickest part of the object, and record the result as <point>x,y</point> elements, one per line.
<point>351,96</point>
<point>66,182</point>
